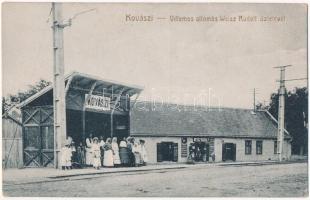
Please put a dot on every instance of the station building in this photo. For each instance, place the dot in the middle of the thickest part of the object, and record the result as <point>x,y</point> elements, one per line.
<point>110,109</point>
<point>93,106</point>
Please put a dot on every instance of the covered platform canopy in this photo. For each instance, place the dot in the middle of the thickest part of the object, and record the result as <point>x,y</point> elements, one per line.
<point>88,83</point>
<point>94,106</point>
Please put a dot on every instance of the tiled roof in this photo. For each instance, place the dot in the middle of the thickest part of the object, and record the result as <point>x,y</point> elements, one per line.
<point>167,119</point>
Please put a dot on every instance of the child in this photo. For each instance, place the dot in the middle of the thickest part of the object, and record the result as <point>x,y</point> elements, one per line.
<point>66,154</point>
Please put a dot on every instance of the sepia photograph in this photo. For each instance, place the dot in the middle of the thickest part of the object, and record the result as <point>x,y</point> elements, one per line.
<point>136,99</point>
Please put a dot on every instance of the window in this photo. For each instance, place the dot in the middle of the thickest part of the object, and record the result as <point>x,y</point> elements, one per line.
<point>248,147</point>
<point>259,147</point>
<point>275,149</point>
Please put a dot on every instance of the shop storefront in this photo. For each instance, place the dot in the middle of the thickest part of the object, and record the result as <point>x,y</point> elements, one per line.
<point>199,149</point>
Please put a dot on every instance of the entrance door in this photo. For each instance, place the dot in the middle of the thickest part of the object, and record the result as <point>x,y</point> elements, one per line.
<point>32,146</point>
<point>47,148</point>
<point>229,152</point>
<point>38,137</point>
<point>39,146</point>
<point>167,151</point>
<point>200,151</point>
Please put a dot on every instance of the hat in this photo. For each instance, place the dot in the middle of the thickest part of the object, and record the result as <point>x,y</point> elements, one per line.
<point>95,138</point>
<point>67,143</point>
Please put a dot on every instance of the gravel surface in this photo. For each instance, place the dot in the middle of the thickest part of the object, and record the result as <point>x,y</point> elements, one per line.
<point>277,180</point>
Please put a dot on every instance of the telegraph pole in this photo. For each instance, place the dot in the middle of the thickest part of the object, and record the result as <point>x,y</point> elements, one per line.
<point>281,110</point>
<point>59,83</point>
<point>254,107</point>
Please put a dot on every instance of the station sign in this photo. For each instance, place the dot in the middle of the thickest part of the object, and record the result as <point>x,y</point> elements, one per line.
<point>96,102</point>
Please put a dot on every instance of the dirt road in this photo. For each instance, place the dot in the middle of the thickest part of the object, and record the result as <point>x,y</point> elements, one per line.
<point>280,180</point>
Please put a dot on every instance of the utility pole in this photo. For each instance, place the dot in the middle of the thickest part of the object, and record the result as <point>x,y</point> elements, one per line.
<point>281,111</point>
<point>59,83</point>
<point>254,107</point>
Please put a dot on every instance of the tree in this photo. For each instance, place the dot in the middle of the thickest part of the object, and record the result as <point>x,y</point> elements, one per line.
<point>21,96</point>
<point>296,117</point>
<point>5,105</point>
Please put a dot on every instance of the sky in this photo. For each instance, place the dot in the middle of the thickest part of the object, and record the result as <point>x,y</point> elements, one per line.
<point>217,63</point>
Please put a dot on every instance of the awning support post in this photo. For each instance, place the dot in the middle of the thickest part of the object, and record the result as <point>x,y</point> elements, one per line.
<point>113,109</point>
<point>83,111</point>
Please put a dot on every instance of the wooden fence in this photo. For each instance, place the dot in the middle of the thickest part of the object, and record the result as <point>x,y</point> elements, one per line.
<point>12,144</point>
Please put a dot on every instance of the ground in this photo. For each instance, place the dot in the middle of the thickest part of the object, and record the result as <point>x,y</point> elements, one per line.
<point>276,180</point>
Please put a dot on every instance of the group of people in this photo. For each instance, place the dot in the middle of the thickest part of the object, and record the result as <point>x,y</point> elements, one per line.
<point>99,153</point>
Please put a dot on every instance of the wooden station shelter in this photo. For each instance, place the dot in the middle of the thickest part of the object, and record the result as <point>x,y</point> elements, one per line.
<point>93,106</point>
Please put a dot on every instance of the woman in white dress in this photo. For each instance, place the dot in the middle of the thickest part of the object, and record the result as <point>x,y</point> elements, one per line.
<point>136,149</point>
<point>88,155</point>
<point>143,152</point>
<point>96,153</point>
<point>116,158</point>
<point>66,155</point>
<point>108,154</point>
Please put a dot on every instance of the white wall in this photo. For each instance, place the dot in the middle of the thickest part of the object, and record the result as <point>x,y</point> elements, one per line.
<point>151,146</point>
<point>268,148</point>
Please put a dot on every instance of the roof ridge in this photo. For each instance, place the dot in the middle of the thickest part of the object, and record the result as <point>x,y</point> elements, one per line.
<point>193,105</point>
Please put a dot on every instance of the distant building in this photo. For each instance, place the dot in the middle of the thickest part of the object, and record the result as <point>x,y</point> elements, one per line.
<point>173,132</point>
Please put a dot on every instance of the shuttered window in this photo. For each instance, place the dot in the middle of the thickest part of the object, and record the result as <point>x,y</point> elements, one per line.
<point>248,147</point>
<point>259,147</point>
<point>159,152</point>
<point>275,147</point>
<point>175,152</point>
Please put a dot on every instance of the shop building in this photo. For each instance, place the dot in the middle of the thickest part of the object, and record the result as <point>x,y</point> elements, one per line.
<point>173,132</point>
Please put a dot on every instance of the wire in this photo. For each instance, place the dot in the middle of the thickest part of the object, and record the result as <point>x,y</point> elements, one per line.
<point>73,17</point>
<point>296,79</point>
<point>49,15</point>
<point>83,12</point>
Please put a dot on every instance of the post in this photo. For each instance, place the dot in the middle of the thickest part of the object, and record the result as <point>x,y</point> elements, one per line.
<point>58,84</point>
<point>113,109</point>
<point>254,107</point>
<point>83,124</point>
<point>281,112</point>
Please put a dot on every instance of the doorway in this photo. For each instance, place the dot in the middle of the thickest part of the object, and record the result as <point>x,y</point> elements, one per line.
<point>96,123</point>
<point>167,151</point>
<point>199,151</point>
<point>229,152</point>
<point>38,137</point>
